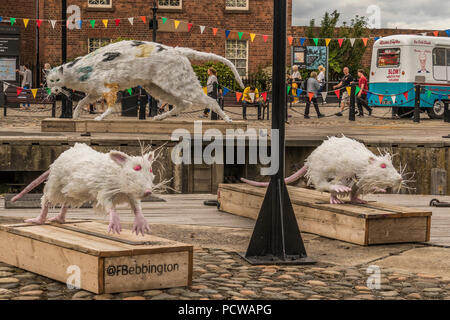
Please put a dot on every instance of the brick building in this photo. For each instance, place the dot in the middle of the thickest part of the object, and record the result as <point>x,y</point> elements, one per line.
<point>247,16</point>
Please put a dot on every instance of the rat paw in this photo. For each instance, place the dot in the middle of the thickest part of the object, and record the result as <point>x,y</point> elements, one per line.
<point>334,200</point>
<point>114,225</point>
<point>140,225</point>
<point>57,219</point>
<point>36,220</point>
<point>358,201</point>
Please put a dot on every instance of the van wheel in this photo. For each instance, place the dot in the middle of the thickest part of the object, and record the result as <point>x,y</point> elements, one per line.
<point>437,111</point>
<point>405,112</point>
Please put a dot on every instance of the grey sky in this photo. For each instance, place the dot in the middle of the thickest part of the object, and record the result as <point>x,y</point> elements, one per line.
<point>402,14</point>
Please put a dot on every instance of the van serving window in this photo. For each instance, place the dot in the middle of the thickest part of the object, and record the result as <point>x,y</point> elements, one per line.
<point>389,57</point>
<point>439,64</point>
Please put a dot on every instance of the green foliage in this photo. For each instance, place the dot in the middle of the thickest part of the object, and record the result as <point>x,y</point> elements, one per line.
<point>224,74</point>
<point>339,57</point>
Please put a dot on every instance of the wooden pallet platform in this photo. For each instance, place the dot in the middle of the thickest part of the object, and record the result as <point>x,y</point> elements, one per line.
<point>135,125</point>
<point>372,223</point>
<point>105,263</point>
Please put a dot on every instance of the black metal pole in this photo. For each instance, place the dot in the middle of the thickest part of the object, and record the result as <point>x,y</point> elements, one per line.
<point>417,104</point>
<point>446,111</point>
<point>276,237</point>
<point>66,105</point>
<point>142,105</point>
<point>38,67</point>
<point>152,107</point>
<point>351,113</point>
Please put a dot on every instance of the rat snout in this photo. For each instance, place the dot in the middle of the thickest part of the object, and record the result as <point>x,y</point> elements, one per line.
<point>147,192</point>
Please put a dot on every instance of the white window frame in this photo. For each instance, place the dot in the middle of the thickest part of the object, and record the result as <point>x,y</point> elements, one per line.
<point>91,5</point>
<point>180,6</point>
<point>89,39</point>
<point>238,8</point>
<point>246,55</point>
<point>444,69</point>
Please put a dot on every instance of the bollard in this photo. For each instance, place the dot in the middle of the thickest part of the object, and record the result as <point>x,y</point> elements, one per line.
<point>446,111</point>
<point>351,113</point>
<point>142,105</point>
<point>417,104</point>
<point>54,108</point>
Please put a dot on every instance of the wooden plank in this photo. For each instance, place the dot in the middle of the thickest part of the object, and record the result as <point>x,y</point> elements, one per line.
<point>48,260</point>
<point>398,230</point>
<point>150,270</point>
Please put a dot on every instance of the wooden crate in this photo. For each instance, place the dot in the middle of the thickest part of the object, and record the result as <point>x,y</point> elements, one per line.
<point>134,125</point>
<point>107,263</point>
<point>372,223</point>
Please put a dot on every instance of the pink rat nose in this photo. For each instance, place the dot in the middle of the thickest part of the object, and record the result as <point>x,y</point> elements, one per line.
<point>147,192</point>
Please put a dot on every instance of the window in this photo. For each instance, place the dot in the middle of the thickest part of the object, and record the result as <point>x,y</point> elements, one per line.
<point>100,3</point>
<point>388,58</point>
<point>170,4</point>
<point>237,52</point>
<point>96,43</point>
<point>236,4</point>
<point>440,64</point>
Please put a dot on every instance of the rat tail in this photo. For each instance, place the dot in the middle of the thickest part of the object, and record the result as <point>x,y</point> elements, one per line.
<point>32,185</point>
<point>297,175</point>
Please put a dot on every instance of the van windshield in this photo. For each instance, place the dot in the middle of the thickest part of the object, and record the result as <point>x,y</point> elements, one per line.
<point>389,57</point>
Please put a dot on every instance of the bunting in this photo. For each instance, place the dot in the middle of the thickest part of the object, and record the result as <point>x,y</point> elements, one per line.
<point>290,39</point>
<point>38,23</point>
<point>131,20</point>
<point>327,41</point>
<point>92,22</point>
<point>225,91</point>
<point>164,20</point>
<point>240,35</point>
<point>215,31</point>
<point>227,33</point>
<point>252,36</point>
<point>105,22</point>
<point>12,20</point>
<point>394,98</point>
<point>338,93</point>
<point>316,40</point>
<point>53,23</point>
<point>34,91</point>
<point>19,90</point>
<point>189,25</point>
<point>202,28</point>
<point>117,21</point>
<point>144,19</point>
<point>380,97</point>
<point>238,96</point>
<point>264,96</point>
<point>265,36</point>
<point>349,90</point>
<point>324,95</point>
<point>302,40</point>
<point>352,41</point>
<point>340,41</point>
<point>25,22</point>
<point>205,90</point>
<point>405,94</point>
<point>299,92</point>
<point>176,23</point>
<point>310,95</point>
<point>365,41</point>
<point>130,90</point>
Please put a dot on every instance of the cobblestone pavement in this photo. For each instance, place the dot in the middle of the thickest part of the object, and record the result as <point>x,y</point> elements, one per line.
<point>222,274</point>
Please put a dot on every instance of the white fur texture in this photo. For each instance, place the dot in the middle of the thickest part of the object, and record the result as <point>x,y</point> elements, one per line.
<point>346,162</point>
<point>81,174</point>
<point>164,72</point>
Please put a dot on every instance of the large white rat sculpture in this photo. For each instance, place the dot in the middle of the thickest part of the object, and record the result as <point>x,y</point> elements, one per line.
<point>81,174</point>
<point>164,72</point>
<point>343,165</point>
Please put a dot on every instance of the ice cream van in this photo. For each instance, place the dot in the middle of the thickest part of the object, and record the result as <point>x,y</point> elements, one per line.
<point>399,62</point>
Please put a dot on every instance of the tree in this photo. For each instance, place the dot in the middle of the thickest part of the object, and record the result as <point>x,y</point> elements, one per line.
<point>346,55</point>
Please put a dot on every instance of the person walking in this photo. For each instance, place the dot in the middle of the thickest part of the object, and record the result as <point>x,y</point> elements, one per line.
<point>312,86</point>
<point>212,88</point>
<point>27,79</point>
<point>295,80</point>
<point>361,98</point>
<point>346,80</point>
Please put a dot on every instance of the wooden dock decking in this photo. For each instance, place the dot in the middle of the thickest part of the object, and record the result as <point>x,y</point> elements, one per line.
<point>188,209</point>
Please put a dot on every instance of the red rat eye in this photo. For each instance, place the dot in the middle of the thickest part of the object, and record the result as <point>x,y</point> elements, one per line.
<point>137,168</point>
<point>383,165</point>
<point>151,170</point>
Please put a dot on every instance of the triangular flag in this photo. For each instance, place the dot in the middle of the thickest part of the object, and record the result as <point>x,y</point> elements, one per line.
<point>38,23</point>
<point>368,96</point>
<point>288,90</point>
<point>428,93</point>
<point>225,90</point>
<point>316,40</point>
<point>53,23</point>
<point>238,96</point>
<point>310,95</point>
<point>202,28</point>
<point>131,20</point>
<point>130,91</point>
<point>338,93</point>
<point>252,36</point>
<point>265,36</point>
<point>19,90</point>
<point>380,97</point>
<point>340,41</point>
<point>92,23</point>
<point>436,33</point>
<point>227,33</point>
<point>324,95</point>
<point>34,91</point>
<point>189,26</point>
<point>327,41</point>
<point>299,92</point>
<point>349,90</point>
<point>365,41</point>
<point>240,35</point>
<point>215,31</point>
<point>117,21</point>
<point>144,19</point>
<point>447,32</point>
<point>264,96</point>
<point>357,90</point>
<point>205,90</point>
<point>25,22</point>
<point>290,39</point>
<point>376,38</point>
<point>252,96</point>
<point>394,98</point>
<point>79,23</point>
<point>105,22</point>
<point>352,41</point>
<point>1,19</point>
<point>164,20</point>
<point>405,94</point>
<point>176,23</point>
<point>302,40</point>
<point>12,20</point>
<point>5,86</point>
<point>49,91</point>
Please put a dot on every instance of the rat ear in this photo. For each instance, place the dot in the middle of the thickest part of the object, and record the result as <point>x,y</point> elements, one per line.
<point>61,69</point>
<point>149,156</point>
<point>371,160</point>
<point>118,157</point>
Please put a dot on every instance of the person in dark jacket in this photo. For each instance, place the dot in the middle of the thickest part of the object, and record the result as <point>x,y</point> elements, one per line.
<point>312,86</point>
<point>212,88</point>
